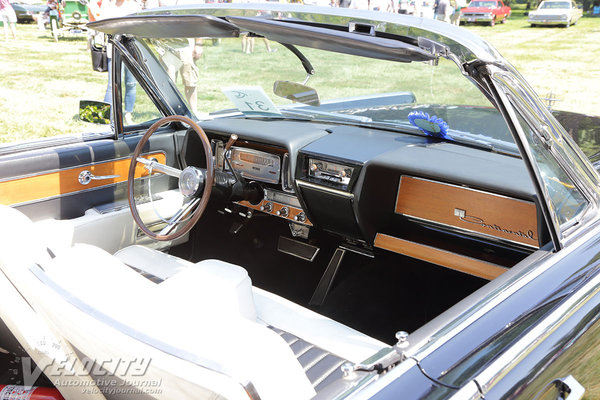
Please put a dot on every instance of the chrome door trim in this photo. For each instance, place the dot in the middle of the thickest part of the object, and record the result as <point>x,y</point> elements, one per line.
<point>532,339</point>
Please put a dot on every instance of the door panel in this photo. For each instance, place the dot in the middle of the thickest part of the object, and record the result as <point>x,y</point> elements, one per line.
<point>72,180</point>
<point>44,183</point>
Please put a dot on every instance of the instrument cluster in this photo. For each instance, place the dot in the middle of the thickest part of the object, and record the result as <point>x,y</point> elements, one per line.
<point>251,164</point>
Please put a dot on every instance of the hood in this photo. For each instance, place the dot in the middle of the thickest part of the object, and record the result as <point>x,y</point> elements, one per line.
<point>477,9</point>
<point>550,11</point>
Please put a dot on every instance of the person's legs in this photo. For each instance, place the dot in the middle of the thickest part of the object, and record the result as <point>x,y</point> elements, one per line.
<point>130,83</point>
<point>5,25</point>
<point>4,19</point>
<point>9,18</point>
<point>191,94</point>
<point>13,28</point>
<point>189,76</point>
<point>108,94</point>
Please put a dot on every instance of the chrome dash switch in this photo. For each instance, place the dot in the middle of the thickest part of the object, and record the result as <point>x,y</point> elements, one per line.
<point>267,207</point>
<point>300,217</point>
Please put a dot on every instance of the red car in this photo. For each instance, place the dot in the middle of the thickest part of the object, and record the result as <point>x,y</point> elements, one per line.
<point>488,11</point>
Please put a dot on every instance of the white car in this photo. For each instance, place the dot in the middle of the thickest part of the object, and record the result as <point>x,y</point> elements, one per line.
<point>553,12</point>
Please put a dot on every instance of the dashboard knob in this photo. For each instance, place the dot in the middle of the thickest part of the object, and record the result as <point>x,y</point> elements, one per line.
<point>267,207</point>
<point>300,217</point>
<point>283,212</point>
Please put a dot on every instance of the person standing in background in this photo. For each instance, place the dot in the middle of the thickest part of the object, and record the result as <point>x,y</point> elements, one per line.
<point>113,9</point>
<point>443,10</point>
<point>458,5</point>
<point>9,18</point>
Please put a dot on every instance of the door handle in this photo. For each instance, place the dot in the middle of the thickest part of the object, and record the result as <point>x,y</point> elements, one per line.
<point>86,177</point>
<point>570,389</point>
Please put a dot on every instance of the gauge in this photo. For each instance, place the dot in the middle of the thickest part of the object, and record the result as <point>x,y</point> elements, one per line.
<point>254,164</point>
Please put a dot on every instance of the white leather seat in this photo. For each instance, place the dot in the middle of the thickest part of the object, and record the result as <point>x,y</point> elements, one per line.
<point>270,309</point>
<point>205,316</point>
<point>205,312</point>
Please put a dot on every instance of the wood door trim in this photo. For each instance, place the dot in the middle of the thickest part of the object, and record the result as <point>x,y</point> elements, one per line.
<point>448,259</point>
<point>66,181</point>
<point>470,210</point>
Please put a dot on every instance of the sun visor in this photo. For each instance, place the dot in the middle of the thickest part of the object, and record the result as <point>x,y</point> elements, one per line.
<point>167,26</point>
<point>335,40</point>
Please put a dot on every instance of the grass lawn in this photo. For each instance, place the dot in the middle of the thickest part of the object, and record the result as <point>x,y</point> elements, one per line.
<point>42,81</point>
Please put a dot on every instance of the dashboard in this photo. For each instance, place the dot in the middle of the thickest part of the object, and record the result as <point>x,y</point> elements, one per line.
<point>367,186</point>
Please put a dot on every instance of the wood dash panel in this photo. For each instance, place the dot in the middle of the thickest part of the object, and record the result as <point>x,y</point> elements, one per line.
<point>472,266</point>
<point>66,181</point>
<point>468,210</point>
<point>293,211</point>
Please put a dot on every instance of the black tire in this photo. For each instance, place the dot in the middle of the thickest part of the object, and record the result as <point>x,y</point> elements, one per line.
<point>533,25</point>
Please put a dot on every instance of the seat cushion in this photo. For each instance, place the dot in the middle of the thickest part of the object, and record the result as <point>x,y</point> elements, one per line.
<point>211,286</point>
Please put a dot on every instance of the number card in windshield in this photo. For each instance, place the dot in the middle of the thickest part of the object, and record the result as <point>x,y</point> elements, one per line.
<point>251,101</point>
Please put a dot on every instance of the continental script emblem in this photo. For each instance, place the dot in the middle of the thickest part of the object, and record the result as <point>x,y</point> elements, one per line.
<point>471,219</point>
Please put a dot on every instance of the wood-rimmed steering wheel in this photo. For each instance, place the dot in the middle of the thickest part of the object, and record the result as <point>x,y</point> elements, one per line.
<point>195,184</point>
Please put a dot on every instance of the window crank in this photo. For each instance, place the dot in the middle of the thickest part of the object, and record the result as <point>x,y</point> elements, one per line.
<point>86,177</point>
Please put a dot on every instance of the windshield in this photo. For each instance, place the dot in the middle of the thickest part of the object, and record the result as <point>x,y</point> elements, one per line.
<point>554,4</point>
<point>221,76</point>
<point>488,4</point>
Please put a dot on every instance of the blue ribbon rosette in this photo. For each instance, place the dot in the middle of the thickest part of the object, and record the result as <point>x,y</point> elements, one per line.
<point>432,126</point>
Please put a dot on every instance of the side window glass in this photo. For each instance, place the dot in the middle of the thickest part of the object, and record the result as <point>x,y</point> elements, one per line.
<point>565,199</point>
<point>137,106</point>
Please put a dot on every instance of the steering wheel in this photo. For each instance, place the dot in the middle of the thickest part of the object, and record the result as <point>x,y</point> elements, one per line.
<point>195,184</point>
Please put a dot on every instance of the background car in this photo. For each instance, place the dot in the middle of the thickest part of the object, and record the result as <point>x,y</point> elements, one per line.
<point>556,12</point>
<point>488,11</point>
<point>26,11</point>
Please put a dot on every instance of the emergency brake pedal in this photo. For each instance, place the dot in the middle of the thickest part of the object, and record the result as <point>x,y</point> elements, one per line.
<point>298,249</point>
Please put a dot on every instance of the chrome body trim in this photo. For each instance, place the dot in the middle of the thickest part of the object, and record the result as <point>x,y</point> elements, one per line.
<point>325,189</point>
<point>44,143</point>
<point>541,331</point>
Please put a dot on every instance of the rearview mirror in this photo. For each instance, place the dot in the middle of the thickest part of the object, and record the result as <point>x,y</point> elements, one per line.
<point>96,112</point>
<point>296,92</point>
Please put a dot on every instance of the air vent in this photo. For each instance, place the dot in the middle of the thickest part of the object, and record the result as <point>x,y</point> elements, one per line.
<point>363,29</point>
